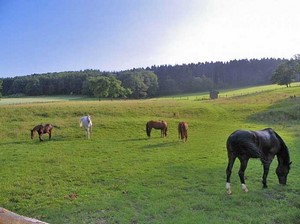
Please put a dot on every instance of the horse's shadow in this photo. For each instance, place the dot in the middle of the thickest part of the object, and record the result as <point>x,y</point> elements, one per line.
<point>133,140</point>
<point>34,141</point>
<point>12,143</point>
<point>159,145</point>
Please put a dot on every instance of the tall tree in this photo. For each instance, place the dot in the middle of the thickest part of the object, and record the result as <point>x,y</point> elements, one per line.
<point>285,73</point>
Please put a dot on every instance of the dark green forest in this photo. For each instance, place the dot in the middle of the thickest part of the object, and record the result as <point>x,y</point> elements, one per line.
<point>146,82</point>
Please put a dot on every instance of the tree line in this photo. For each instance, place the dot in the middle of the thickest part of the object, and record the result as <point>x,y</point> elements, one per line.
<point>148,82</point>
<point>139,83</point>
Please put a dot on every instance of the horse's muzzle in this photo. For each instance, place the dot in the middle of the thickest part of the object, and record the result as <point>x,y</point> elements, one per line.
<point>282,180</point>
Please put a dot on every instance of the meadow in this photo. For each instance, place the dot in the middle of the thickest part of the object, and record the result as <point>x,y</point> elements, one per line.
<point>122,176</point>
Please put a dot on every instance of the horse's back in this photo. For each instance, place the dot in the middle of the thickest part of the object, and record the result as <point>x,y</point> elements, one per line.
<point>157,124</point>
<point>242,142</point>
<point>253,143</point>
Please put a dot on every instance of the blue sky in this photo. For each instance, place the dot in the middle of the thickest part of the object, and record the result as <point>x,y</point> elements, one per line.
<point>39,36</point>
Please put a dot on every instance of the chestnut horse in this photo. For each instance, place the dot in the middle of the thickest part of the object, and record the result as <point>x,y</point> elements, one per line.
<point>162,125</point>
<point>42,129</point>
<point>264,144</point>
<point>182,131</point>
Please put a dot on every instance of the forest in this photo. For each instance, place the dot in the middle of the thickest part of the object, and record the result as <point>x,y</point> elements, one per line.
<point>145,82</point>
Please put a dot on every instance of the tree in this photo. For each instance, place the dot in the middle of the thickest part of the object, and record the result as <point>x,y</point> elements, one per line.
<point>32,87</point>
<point>286,72</point>
<point>142,83</point>
<point>107,86</point>
<point>1,82</point>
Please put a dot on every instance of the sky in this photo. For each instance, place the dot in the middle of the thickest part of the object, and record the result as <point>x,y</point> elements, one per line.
<point>41,36</point>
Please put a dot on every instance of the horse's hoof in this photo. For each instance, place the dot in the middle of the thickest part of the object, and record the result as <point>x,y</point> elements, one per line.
<point>229,192</point>
<point>244,187</point>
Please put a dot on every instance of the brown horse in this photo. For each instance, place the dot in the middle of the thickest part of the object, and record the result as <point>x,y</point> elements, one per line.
<point>162,125</point>
<point>42,129</point>
<point>182,131</point>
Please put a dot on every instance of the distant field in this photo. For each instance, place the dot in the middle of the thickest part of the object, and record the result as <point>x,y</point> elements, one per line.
<point>121,176</point>
<point>231,92</point>
<point>26,100</point>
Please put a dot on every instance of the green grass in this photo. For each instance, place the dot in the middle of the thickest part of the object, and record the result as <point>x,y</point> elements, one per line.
<point>121,176</point>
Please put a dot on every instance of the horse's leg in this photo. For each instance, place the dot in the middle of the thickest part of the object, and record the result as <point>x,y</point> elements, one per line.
<point>244,162</point>
<point>40,137</point>
<point>231,160</point>
<point>181,134</point>
<point>87,133</point>
<point>265,174</point>
<point>50,135</point>
<point>186,135</point>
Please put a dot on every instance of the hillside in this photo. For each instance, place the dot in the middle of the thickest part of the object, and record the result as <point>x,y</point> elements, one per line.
<point>122,176</point>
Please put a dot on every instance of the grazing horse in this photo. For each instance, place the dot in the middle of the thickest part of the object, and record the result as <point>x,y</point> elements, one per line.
<point>86,122</point>
<point>182,131</point>
<point>263,144</point>
<point>162,125</point>
<point>42,129</point>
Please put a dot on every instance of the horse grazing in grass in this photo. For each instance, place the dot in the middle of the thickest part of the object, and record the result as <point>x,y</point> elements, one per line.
<point>263,144</point>
<point>162,125</point>
<point>43,129</point>
<point>87,124</point>
<point>182,131</point>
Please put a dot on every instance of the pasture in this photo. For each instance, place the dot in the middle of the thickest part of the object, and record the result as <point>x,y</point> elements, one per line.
<point>122,176</point>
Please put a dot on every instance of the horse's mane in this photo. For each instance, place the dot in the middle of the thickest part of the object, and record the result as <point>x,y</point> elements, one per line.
<point>284,152</point>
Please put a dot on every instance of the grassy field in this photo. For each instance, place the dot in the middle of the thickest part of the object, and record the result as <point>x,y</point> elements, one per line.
<point>121,176</point>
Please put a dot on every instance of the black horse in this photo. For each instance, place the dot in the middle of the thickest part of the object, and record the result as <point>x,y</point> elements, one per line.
<point>264,144</point>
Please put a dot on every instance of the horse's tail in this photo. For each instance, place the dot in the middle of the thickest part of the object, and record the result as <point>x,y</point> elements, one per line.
<point>180,130</point>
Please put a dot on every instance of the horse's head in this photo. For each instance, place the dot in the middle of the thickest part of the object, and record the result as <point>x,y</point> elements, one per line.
<point>282,172</point>
<point>148,129</point>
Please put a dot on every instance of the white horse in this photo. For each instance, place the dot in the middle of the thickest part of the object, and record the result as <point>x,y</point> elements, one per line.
<point>86,122</point>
